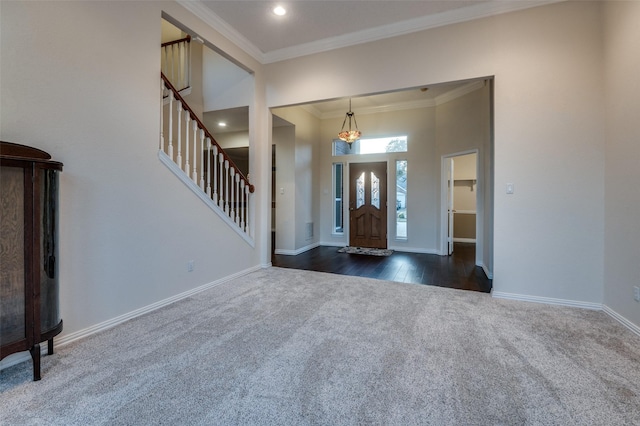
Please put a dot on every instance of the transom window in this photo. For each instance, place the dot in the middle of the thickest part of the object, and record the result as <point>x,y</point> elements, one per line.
<point>370,146</point>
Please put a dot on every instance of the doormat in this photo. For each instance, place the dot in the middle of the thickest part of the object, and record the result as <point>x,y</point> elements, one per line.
<point>365,250</point>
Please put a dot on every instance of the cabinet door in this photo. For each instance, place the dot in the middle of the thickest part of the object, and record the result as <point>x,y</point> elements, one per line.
<point>12,255</point>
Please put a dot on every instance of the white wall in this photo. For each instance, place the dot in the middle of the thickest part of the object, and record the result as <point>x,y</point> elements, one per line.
<point>548,129</point>
<point>462,125</point>
<point>306,179</point>
<point>622,201</point>
<point>80,81</point>
<point>284,138</point>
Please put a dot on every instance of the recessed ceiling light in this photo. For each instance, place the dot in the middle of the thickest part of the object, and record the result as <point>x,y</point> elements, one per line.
<point>222,124</point>
<point>279,10</point>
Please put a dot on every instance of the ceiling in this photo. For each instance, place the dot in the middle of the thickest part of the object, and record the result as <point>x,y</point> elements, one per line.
<point>311,26</point>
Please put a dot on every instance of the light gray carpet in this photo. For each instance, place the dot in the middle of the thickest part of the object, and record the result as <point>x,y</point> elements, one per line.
<point>284,347</point>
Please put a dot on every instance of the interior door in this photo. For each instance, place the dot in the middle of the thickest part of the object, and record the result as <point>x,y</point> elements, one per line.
<point>368,205</point>
<point>450,206</point>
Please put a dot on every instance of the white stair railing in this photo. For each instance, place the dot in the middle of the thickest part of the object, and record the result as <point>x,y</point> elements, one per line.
<point>176,62</point>
<point>183,135</point>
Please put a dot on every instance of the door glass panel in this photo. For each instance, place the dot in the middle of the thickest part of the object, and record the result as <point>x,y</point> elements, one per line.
<point>12,272</point>
<point>375,191</point>
<point>360,190</point>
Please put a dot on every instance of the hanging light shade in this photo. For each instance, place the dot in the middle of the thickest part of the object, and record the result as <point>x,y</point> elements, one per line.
<point>349,136</point>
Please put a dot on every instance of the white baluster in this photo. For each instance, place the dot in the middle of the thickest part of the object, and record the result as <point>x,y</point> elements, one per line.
<point>161,115</point>
<point>194,175</point>
<point>187,67</point>
<point>246,191</point>
<point>237,200</point>
<point>173,55</point>
<point>232,174</point>
<point>221,183</point>
<point>215,175</point>
<point>187,118</point>
<point>179,120</point>
<point>243,205</point>
<point>226,187</point>
<point>202,159</point>
<point>209,168</point>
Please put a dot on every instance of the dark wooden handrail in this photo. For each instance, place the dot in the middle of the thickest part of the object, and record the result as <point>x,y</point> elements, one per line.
<point>186,107</point>
<point>169,43</point>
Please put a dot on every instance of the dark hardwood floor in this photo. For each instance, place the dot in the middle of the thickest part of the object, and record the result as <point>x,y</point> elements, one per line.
<point>455,271</point>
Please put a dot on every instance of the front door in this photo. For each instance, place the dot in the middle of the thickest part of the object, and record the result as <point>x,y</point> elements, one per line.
<point>368,205</point>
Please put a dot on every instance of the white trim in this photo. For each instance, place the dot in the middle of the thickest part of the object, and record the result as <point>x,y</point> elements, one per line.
<point>171,165</point>
<point>334,243</point>
<point>622,320</point>
<point>547,300</point>
<point>476,11</point>
<point>414,250</point>
<point>298,251</point>
<point>105,325</point>
<point>399,106</point>
<point>464,240</point>
<point>221,26</point>
<point>481,10</point>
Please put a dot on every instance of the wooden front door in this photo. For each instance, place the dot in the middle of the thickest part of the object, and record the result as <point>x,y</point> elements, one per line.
<point>368,205</point>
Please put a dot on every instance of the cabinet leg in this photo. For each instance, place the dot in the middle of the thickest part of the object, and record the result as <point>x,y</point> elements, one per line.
<point>50,346</point>
<point>35,355</point>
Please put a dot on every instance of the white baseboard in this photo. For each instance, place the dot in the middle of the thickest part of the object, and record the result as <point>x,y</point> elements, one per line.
<point>622,320</point>
<point>81,334</point>
<point>298,251</point>
<point>547,300</point>
<point>464,240</point>
<point>333,244</point>
<point>414,250</point>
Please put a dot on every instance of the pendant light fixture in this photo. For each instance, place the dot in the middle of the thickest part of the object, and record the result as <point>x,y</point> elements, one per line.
<point>349,136</point>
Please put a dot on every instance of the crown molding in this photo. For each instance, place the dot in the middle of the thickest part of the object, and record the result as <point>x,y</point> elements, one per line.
<point>400,106</point>
<point>221,26</point>
<point>481,10</point>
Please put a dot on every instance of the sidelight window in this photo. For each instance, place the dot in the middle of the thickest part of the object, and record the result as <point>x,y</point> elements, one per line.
<point>401,199</point>
<point>338,226</point>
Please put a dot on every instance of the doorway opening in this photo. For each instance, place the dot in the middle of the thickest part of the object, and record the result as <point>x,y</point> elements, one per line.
<point>462,207</point>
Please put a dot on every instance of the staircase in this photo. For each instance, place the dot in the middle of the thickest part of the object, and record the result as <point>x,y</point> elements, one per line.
<point>189,150</point>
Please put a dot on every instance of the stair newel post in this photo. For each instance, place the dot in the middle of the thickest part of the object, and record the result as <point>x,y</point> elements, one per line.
<point>216,184</point>
<point>242,204</point>
<point>226,187</point>
<point>187,118</point>
<point>232,199</point>
<point>170,124</point>
<point>221,183</point>
<point>195,148</point>
<point>179,120</point>
<point>202,159</point>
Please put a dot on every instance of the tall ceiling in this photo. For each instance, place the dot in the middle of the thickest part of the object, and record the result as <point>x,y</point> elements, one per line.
<point>311,26</point>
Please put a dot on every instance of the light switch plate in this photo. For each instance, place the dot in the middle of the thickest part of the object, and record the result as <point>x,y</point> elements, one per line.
<point>509,188</point>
